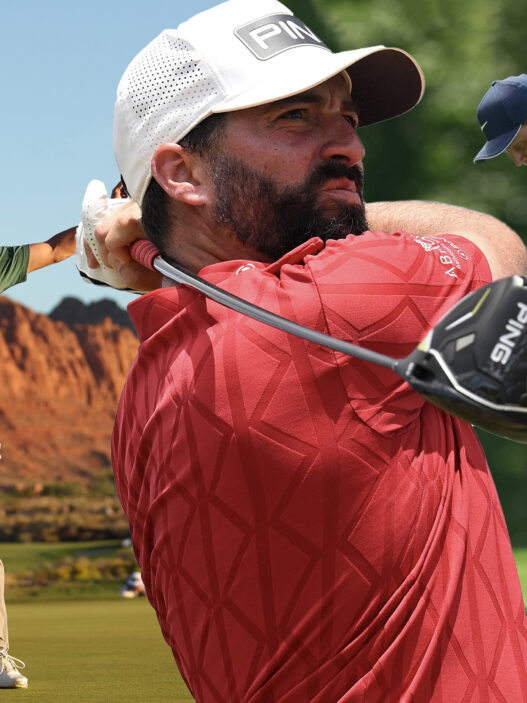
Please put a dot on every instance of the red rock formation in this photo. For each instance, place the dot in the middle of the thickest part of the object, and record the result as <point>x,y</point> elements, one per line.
<point>59,388</point>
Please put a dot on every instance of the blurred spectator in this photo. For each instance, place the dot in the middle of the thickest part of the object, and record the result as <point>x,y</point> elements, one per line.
<point>502,115</point>
<point>133,586</point>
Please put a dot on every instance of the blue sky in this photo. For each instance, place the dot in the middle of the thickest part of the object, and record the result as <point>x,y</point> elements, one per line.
<point>60,63</point>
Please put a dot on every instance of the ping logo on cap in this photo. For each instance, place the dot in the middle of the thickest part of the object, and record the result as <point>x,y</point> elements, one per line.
<point>273,34</point>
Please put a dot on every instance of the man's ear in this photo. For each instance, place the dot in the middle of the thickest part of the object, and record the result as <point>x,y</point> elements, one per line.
<point>180,174</point>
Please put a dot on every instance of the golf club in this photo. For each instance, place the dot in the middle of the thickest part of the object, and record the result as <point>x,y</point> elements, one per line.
<point>472,364</point>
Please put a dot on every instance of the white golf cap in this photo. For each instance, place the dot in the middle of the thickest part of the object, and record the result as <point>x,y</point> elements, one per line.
<point>237,55</point>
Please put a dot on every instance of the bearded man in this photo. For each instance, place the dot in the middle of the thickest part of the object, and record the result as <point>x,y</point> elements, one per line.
<point>308,528</point>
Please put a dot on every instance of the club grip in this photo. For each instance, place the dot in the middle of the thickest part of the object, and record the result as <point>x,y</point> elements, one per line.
<point>144,252</point>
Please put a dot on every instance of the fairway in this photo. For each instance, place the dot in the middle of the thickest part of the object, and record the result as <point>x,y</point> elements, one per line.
<point>93,652</point>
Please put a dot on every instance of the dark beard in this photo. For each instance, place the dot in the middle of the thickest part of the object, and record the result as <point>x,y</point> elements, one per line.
<point>273,221</point>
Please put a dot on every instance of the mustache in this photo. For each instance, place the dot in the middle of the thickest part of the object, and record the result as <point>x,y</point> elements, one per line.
<point>333,170</point>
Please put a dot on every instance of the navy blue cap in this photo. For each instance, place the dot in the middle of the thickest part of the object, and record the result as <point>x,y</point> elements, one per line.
<point>501,113</point>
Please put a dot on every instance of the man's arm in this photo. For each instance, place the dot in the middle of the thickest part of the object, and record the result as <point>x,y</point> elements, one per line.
<point>55,249</point>
<point>503,248</point>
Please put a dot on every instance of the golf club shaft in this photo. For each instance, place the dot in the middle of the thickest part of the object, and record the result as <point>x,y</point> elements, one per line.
<point>145,253</point>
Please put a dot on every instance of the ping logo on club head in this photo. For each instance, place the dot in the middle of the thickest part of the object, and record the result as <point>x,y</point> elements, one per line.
<point>513,329</point>
<point>270,35</point>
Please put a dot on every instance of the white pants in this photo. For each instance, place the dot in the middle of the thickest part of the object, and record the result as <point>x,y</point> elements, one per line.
<point>4,642</point>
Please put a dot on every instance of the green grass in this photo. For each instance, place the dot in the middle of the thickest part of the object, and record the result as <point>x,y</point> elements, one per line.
<point>93,652</point>
<point>21,557</point>
<point>71,590</point>
<point>521,562</point>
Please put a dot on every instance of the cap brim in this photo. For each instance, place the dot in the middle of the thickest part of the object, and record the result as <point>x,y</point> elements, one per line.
<point>495,147</point>
<point>386,82</point>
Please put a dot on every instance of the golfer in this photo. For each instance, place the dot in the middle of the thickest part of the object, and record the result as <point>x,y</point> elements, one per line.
<point>502,115</point>
<point>15,263</point>
<point>308,528</point>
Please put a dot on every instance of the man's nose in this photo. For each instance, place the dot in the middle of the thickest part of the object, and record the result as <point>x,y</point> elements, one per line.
<point>342,143</point>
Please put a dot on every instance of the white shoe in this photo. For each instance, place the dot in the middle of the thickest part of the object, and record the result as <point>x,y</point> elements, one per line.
<point>10,676</point>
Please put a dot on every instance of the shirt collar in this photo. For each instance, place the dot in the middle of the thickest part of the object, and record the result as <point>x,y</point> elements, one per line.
<point>296,255</point>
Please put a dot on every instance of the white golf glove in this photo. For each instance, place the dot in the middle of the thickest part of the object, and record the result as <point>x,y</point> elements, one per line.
<point>95,206</point>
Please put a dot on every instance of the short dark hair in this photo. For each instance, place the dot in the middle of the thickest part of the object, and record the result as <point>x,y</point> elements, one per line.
<point>204,136</point>
<point>156,214</point>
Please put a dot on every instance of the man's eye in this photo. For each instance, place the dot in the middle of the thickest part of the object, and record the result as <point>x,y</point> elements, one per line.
<point>352,119</point>
<point>296,114</point>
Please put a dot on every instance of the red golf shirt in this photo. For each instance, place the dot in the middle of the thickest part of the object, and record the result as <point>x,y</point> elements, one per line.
<point>310,529</point>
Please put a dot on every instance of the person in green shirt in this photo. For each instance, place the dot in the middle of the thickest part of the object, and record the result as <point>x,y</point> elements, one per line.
<point>15,263</point>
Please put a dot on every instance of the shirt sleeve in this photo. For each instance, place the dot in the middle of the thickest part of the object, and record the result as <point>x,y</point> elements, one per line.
<point>13,266</point>
<point>385,292</point>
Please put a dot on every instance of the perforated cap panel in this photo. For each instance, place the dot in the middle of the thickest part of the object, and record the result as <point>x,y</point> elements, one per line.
<point>164,93</point>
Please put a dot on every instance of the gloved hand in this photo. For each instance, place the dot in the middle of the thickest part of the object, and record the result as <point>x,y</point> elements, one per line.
<point>95,206</point>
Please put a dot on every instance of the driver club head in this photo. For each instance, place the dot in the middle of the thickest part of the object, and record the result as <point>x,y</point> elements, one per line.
<point>473,363</point>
